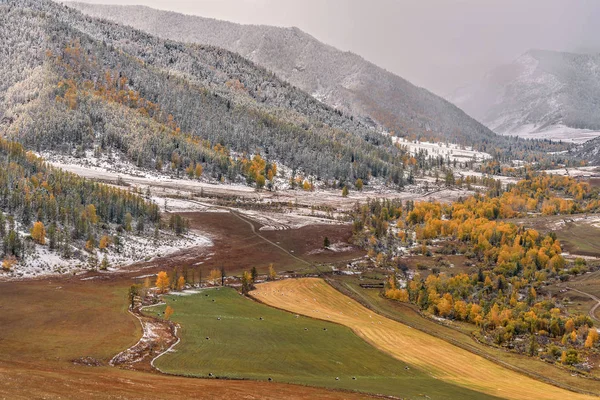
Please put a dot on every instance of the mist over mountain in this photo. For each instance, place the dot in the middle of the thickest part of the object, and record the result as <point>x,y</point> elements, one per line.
<point>342,80</point>
<point>542,94</point>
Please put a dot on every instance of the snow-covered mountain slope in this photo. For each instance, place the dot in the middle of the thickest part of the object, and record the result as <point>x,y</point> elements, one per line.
<point>342,80</point>
<point>589,151</point>
<point>542,94</point>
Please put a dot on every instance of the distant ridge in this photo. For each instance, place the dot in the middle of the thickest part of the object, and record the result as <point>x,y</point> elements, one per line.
<point>542,94</point>
<point>342,80</point>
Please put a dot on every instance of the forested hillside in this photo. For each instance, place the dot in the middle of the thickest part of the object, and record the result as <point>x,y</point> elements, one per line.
<point>340,79</point>
<point>73,83</point>
<point>589,151</point>
<point>46,210</point>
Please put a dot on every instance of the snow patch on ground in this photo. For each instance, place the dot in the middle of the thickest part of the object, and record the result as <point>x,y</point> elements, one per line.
<point>338,247</point>
<point>579,172</point>
<point>134,248</point>
<point>453,151</point>
<point>553,132</point>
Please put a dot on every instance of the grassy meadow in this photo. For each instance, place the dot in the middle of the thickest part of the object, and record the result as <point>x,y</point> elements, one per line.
<point>286,348</point>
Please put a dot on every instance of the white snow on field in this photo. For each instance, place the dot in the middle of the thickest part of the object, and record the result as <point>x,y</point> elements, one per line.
<point>112,167</point>
<point>579,172</point>
<point>554,132</point>
<point>337,247</point>
<point>188,292</point>
<point>134,248</point>
<point>109,162</point>
<point>453,151</point>
<point>171,204</point>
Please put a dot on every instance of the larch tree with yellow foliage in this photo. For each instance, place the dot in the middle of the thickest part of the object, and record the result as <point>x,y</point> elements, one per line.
<point>272,273</point>
<point>9,263</point>
<point>38,233</point>
<point>180,283</point>
<point>214,276</point>
<point>162,282</point>
<point>168,312</point>
<point>592,338</point>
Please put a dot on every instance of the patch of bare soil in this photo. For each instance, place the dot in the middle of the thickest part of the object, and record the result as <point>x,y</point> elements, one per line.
<point>159,335</point>
<point>88,362</point>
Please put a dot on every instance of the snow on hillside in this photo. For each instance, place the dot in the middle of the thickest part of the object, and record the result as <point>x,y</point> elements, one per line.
<point>42,261</point>
<point>342,80</point>
<point>558,132</point>
<point>542,95</point>
<point>451,150</point>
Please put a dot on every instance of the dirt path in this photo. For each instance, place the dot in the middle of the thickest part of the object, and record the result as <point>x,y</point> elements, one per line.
<point>315,298</point>
<point>253,228</point>
<point>592,312</point>
<point>158,338</point>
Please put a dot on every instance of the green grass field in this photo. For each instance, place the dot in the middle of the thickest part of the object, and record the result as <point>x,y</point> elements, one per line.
<point>286,348</point>
<point>459,333</point>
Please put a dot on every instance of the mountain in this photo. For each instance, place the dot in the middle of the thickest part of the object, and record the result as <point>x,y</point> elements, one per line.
<point>342,80</point>
<point>589,151</point>
<point>74,84</point>
<point>542,94</point>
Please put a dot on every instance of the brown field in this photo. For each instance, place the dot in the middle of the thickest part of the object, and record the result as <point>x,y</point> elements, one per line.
<point>314,298</point>
<point>47,325</point>
<point>237,247</point>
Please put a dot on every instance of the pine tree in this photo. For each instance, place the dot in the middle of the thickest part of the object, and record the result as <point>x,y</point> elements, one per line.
<point>105,263</point>
<point>345,191</point>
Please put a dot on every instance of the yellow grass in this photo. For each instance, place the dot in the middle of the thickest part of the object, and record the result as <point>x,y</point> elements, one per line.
<point>315,298</point>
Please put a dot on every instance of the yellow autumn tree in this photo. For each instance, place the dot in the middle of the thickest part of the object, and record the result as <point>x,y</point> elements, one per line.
<point>214,275</point>
<point>8,263</point>
<point>168,312</point>
<point>569,325</point>
<point>246,282</point>
<point>180,283</point>
<point>105,241</point>
<point>573,336</point>
<point>162,282</point>
<point>38,233</point>
<point>592,338</point>
<point>90,213</point>
<point>198,171</point>
<point>445,305</point>
<point>272,273</point>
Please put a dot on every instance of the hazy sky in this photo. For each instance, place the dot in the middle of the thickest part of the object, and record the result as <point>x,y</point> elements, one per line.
<point>437,44</point>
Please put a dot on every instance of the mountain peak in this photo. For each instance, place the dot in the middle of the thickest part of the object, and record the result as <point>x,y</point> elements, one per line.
<point>342,80</point>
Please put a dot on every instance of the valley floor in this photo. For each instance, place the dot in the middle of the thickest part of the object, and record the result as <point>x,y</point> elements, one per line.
<point>50,346</point>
